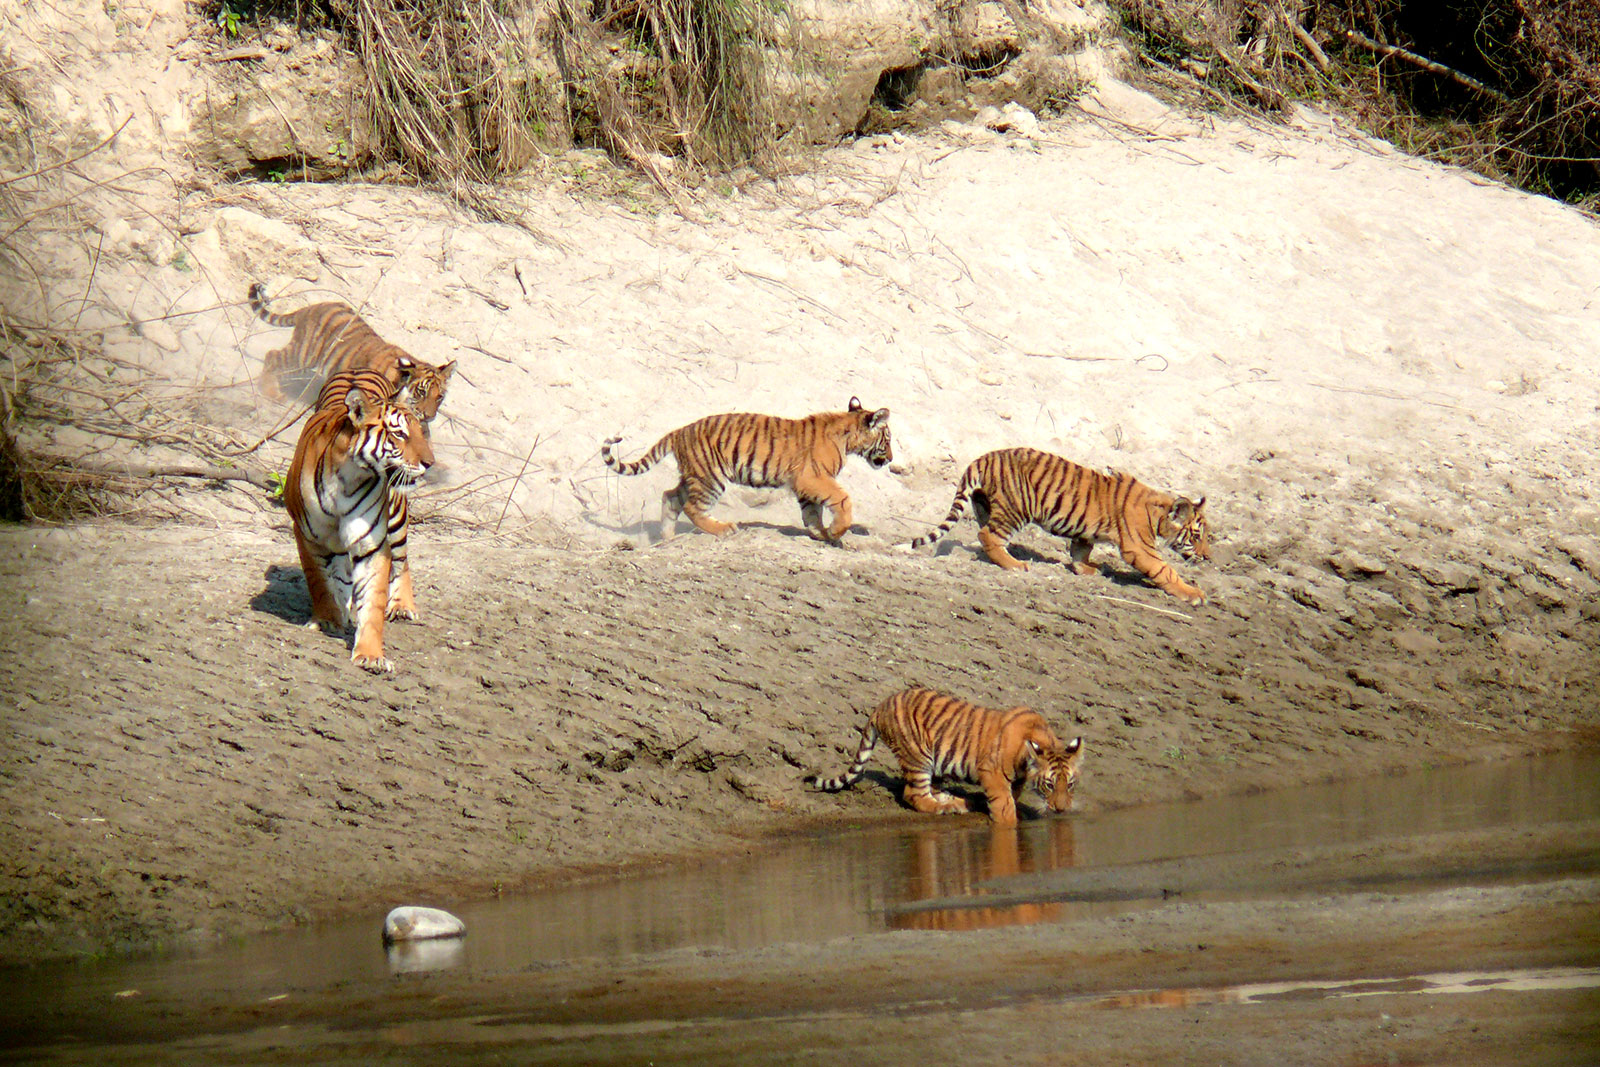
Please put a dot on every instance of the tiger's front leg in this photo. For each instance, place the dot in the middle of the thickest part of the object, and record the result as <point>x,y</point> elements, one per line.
<point>402,598</point>
<point>998,790</point>
<point>1080,549</point>
<point>370,602</point>
<point>1163,577</point>
<point>328,612</point>
<point>818,491</point>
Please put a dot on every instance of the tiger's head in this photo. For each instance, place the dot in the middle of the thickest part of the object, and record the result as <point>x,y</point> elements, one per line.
<point>1186,529</point>
<point>869,435</point>
<point>422,386</point>
<point>1055,773</point>
<point>389,439</point>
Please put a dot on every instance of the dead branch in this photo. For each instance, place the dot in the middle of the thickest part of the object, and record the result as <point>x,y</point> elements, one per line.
<point>1318,56</point>
<point>256,476</point>
<point>1426,64</point>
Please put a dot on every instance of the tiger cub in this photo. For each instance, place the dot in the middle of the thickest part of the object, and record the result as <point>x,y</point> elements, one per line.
<point>357,457</point>
<point>935,735</point>
<point>1015,486</point>
<point>331,337</point>
<point>765,451</point>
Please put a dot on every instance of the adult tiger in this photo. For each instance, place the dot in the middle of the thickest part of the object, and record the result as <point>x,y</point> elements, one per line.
<point>357,457</point>
<point>765,451</point>
<point>329,338</point>
<point>934,735</point>
<point>1015,486</point>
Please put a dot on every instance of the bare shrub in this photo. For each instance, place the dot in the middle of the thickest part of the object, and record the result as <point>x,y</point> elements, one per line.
<point>1510,88</point>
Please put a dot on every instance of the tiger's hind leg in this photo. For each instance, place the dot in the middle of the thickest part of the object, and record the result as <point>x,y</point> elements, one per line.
<point>994,546</point>
<point>921,796</point>
<point>671,508</point>
<point>697,497</point>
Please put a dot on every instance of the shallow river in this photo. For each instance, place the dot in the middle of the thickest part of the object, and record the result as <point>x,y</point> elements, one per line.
<point>906,872</point>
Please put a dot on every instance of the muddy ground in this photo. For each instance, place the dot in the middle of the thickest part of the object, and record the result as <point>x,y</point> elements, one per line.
<point>185,760</point>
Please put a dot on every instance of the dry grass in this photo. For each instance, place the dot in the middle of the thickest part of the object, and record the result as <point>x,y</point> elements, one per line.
<point>670,85</point>
<point>452,93</point>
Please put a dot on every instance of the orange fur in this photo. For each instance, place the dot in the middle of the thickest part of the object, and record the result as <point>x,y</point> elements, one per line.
<point>1015,486</point>
<point>804,455</point>
<point>330,338</point>
<point>934,735</point>
<point>357,457</point>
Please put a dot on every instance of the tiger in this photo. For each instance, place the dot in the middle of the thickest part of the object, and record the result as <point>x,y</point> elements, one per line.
<point>358,456</point>
<point>1011,487</point>
<point>935,735</point>
<point>331,337</point>
<point>765,451</point>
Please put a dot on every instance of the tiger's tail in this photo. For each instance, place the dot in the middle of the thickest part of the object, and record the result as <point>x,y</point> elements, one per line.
<point>969,478</point>
<point>869,740</point>
<point>640,465</point>
<point>258,304</point>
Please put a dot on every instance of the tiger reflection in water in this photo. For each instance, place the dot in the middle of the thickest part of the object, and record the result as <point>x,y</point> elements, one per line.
<point>943,865</point>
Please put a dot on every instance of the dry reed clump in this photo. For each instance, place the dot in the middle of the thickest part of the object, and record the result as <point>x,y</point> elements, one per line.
<point>453,93</point>
<point>670,84</point>
<point>1510,88</point>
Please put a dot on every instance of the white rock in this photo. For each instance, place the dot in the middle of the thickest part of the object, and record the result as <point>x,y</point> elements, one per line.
<point>420,924</point>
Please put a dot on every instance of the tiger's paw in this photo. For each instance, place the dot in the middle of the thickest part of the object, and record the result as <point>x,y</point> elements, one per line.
<point>374,664</point>
<point>332,629</point>
<point>402,612</point>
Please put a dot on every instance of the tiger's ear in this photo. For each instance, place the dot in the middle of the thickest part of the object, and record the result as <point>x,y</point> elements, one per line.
<point>1183,510</point>
<point>355,402</point>
<point>1073,746</point>
<point>1034,745</point>
<point>855,404</point>
<point>877,418</point>
<point>407,367</point>
<point>447,370</point>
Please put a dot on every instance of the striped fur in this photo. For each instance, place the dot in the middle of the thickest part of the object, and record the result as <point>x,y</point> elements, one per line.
<point>935,736</point>
<point>1012,487</point>
<point>329,338</point>
<point>765,451</point>
<point>357,457</point>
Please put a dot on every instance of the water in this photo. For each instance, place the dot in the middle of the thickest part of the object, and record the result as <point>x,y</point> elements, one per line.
<point>823,885</point>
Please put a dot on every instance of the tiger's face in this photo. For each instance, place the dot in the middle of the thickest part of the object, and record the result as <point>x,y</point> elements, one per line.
<point>423,386</point>
<point>1056,773</point>
<point>869,438</point>
<point>390,440</point>
<point>1186,528</point>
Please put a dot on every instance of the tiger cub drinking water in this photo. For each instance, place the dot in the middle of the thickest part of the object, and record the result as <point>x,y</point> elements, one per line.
<point>1012,487</point>
<point>331,337</point>
<point>935,735</point>
<point>765,451</point>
